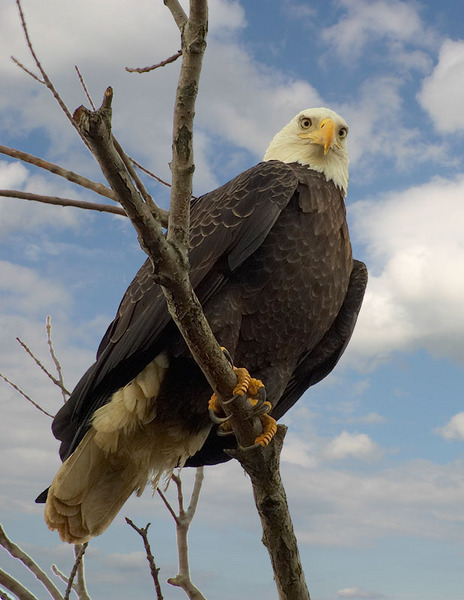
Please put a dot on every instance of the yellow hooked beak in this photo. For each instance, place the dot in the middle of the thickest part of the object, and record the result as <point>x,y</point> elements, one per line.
<point>324,136</point>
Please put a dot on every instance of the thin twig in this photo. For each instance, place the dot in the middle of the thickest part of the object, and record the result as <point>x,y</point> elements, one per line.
<point>64,578</point>
<point>80,586</point>
<point>26,70</point>
<point>79,558</point>
<point>98,188</point>
<point>24,395</point>
<point>4,596</point>
<point>84,87</point>
<point>55,201</point>
<point>56,381</point>
<point>168,505</point>
<point>163,63</point>
<point>46,80</point>
<point>60,381</point>
<point>16,552</point>
<point>143,532</point>
<point>145,170</point>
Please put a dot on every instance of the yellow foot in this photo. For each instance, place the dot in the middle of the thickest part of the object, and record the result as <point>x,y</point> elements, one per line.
<point>254,389</point>
<point>269,430</point>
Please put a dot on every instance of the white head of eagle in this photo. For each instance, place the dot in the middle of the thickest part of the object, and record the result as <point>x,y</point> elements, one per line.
<point>316,137</point>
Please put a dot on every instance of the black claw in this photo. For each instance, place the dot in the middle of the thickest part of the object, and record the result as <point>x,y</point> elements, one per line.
<point>227,355</point>
<point>223,433</point>
<point>258,410</point>
<point>231,400</point>
<point>261,397</point>
<point>215,419</point>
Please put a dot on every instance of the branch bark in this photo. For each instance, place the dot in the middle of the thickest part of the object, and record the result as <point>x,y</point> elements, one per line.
<point>16,552</point>
<point>10,583</point>
<point>154,570</point>
<point>262,465</point>
<point>56,201</point>
<point>98,188</point>
<point>183,521</point>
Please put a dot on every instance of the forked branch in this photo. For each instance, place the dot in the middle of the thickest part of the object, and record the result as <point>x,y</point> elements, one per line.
<point>183,520</point>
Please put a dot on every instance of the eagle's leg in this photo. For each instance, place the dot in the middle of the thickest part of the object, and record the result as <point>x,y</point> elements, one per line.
<point>256,392</point>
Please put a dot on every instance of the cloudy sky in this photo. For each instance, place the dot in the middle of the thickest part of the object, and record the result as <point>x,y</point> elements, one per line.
<point>373,462</point>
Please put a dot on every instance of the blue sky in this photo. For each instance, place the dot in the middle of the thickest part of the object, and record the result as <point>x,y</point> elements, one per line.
<point>373,462</point>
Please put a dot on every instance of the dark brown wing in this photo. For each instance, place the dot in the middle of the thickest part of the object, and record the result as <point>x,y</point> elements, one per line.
<point>227,226</point>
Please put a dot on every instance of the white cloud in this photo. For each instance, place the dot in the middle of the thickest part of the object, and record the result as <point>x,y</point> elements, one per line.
<point>417,498</point>
<point>352,445</point>
<point>454,429</point>
<point>414,251</point>
<point>442,93</point>
<point>395,22</point>
<point>358,593</point>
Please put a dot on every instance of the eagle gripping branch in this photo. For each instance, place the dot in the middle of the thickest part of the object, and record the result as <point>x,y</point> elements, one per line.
<point>255,391</point>
<point>261,463</point>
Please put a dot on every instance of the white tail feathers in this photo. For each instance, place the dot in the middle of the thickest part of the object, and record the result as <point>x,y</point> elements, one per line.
<point>124,448</point>
<point>89,490</point>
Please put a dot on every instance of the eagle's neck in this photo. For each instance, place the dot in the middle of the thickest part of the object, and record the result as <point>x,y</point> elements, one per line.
<point>334,165</point>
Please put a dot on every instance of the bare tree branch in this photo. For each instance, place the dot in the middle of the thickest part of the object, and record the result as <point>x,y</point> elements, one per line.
<point>46,80</point>
<point>183,520</point>
<point>56,381</point>
<point>182,167</point>
<point>60,381</point>
<point>142,168</point>
<point>80,550</point>
<point>65,202</point>
<point>16,552</point>
<point>177,12</point>
<point>163,63</point>
<point>10,583</point>
<point>84,87</point>
<point>154,570</point>
<point>98,188</point>
<point>24,395</point>
<point>4,596</point>
<point>80,586</point>
<point>262,465</point>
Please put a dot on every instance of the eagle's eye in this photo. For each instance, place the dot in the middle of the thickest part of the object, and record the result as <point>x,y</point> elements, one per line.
<point>342,132</point>
<point>305,122</point>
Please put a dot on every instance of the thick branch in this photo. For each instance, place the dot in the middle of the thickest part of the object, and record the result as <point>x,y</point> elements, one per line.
<point>177,12</point>
<point>10,583</point>
<point>262,465</point>
<point>169,270</point>
<point>95,127</point>
<point>193,48</point>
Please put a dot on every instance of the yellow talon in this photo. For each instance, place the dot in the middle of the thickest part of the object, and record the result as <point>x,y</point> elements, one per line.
<point>243,381</point>
<point>214,405</point>
<point>270,429</point>
<point>254,386</point>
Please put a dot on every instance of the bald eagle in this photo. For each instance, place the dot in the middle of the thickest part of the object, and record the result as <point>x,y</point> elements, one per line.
<point>271,264</point>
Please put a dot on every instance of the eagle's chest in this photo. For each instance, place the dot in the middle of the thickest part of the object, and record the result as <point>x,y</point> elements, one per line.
<point>292,288</point>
